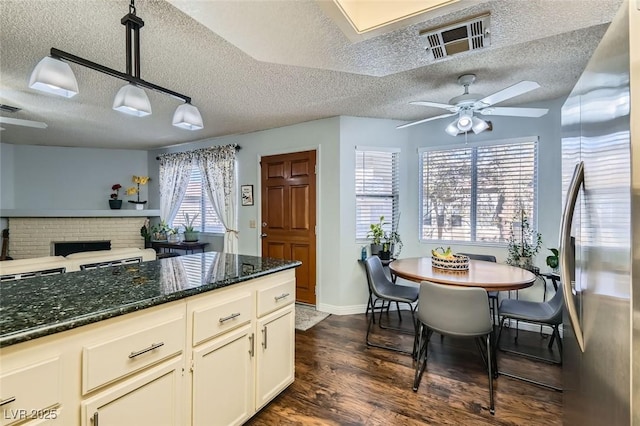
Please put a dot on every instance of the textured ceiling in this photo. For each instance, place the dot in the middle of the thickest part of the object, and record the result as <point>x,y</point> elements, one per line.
<point>255,65</point>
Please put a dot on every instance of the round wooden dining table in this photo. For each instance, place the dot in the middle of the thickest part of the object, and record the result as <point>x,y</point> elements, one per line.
<point>489,275</point>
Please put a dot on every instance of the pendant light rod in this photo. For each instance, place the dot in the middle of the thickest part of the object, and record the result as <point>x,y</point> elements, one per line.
<point>60,54</point>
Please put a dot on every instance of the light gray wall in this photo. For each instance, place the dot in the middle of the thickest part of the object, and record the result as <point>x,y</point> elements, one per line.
<point>67,178</point>
<point>6,176</point>
<point>320,135</point>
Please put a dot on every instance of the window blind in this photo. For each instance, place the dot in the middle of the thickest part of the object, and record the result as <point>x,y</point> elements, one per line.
<point>473,193</point>
<point>197,201</point>
<point>376,180</point>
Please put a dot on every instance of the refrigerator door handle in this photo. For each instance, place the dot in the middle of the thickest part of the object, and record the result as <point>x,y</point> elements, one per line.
<point>565,244</point>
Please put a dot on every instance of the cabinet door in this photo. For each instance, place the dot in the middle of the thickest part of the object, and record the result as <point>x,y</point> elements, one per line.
<point>153,397</point>
<point>275,368</point>
<point>223,379</point>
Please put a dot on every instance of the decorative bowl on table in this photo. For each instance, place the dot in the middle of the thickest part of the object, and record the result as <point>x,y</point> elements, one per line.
<point>450,261</point>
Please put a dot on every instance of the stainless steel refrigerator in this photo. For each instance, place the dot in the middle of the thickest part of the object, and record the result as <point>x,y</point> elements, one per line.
<point>600,235</point>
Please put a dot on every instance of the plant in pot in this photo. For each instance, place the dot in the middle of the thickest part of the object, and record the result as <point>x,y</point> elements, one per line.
<point>377,233</point>
<point>160,231</point>
<point>190,234</point>
<point>114,202</point>
<point>553,260</point>
<point>390,244</point>
<point>524,243</point>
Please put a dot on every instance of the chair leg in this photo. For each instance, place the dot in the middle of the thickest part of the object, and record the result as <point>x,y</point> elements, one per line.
<point>492,408</point>
<point>421,361</point>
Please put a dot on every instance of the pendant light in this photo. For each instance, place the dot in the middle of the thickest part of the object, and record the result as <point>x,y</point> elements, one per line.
<point>53,75</point>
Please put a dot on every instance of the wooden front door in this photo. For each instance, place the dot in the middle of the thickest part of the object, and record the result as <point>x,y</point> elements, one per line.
<point>289,215</point>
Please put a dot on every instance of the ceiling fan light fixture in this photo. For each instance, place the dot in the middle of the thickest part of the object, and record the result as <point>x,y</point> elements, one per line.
<point>452,128</point>
<point>187,117</point>
<point>465,121</point>
<point>479,125</point>
<point>132,100</point>
<point>54,76</point>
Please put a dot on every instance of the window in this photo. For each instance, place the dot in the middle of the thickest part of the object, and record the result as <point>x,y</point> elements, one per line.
<point>473,193</point>
<point>197,201</point>
<point>376,188</point>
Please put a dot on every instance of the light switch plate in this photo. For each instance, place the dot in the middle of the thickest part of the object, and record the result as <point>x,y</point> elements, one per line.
<point>252,224</point>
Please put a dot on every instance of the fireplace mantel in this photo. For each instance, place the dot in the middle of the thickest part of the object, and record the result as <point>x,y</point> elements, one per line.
<point>78,213</point>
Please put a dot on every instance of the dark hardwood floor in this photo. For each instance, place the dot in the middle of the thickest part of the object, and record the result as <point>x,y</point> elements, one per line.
<point>341,381</point>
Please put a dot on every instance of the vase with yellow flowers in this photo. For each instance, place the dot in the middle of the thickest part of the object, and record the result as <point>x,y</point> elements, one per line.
<point>135,190</point>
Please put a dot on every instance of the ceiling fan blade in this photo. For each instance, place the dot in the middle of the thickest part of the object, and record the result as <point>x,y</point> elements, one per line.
<point>26,123</point>
<point>514,112</point>
<point>413,123</point>
<point>449,107</point>
<point>508,93</point>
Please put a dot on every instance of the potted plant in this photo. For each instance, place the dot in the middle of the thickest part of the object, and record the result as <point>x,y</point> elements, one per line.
<point>524,243</point>
<point>145,232</point>
<point>376,233</point>
<point>390,243</point>
<point>114,202</point>
<point>135,190</point>
<point>159,231</point>
<point>190,234</point>
<point>553,260</point>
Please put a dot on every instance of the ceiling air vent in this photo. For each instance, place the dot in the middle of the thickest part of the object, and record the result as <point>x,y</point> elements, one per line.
<point>459,37</point>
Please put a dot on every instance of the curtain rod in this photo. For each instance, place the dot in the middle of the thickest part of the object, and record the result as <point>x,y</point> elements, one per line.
<point>238,148</point>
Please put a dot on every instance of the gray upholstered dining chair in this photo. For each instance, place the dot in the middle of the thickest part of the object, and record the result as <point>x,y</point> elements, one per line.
<point>383,289</point>
<point>545,313</point>
<point>492,295</point>
<point>458,312</point>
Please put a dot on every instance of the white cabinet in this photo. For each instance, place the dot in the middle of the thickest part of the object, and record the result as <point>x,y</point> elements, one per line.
<point>152,397</point>
<point>275,354</point>
<point>211,359</point>
<point>243,349</point>
<point>223,379</point>
<point>20,399</point>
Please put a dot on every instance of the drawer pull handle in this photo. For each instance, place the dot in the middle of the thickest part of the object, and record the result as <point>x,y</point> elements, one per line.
<point>144,351</point>
<point>251,339</point>
<point>7,401</point>
<point>264,338</point>
<point>282,296</point>
<point>232,316</point>
<point>95,419</point>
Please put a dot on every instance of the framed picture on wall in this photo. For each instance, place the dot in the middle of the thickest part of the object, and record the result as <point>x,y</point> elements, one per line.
<point>246,192</point>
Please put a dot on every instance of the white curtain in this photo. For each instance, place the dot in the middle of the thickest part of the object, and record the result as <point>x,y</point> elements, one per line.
<point>218,169</point>
<point>175,172</point>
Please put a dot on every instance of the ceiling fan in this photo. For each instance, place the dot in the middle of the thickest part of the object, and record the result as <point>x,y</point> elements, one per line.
<point>467,104</point>
<point>19,121</point>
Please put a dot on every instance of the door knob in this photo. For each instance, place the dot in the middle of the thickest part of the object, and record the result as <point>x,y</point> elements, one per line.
<point>263,235</point>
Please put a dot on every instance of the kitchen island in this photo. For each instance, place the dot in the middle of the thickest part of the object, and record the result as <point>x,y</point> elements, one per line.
<point>199,339</point>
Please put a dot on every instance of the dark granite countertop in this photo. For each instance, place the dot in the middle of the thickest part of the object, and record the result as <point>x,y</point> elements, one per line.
<point>40,306</point>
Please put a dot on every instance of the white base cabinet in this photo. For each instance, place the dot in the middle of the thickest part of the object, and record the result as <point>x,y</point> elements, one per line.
<point>150,398</point>
<point>211,359</point>
<point>275,354</point>
<point>223,377</point>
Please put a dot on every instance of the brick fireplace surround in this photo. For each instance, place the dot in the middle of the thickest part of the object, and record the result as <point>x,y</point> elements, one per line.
<point>33,236</point>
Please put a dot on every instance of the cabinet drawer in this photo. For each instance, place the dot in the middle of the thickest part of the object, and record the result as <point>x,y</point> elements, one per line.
<point>274,296</point>
<point>107,361</point>
<point>222,316</point>
<point>25,391</point>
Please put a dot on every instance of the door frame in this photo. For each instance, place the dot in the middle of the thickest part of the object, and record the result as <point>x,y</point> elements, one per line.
<point>257,195</point>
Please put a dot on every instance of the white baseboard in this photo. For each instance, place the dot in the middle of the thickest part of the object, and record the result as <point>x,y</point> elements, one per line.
<point>361,309</point>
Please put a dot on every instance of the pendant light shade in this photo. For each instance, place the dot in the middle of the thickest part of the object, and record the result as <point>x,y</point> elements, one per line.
<point>54,76</point>
<point>479,125</point>
<point>452,128</point>
<point>132,100</point>
<point>465,122</point>
<point>187,117</point>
